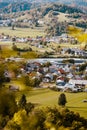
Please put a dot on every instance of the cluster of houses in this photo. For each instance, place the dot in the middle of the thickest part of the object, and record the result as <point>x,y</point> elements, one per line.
<point>41,42</point>
<point>5,38</point>
<point>64,38</point>
<point>63,76</point>
<point>5,23</point>
<point>15,39</point>
<point>72,86</point>
<point>53,73</point>
<point>74,52</point>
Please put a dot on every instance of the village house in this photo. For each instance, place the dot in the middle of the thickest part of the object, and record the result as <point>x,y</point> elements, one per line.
<point>78,82</point>
<point>41,22</point>
<point>74,51</point>
<point>5,23</point>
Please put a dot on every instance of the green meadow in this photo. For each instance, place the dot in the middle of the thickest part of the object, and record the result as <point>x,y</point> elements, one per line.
<point>45,97</point>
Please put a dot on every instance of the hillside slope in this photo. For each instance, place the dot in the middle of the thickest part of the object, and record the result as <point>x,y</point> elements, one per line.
<point>16,7</point>
<point>21,5</point>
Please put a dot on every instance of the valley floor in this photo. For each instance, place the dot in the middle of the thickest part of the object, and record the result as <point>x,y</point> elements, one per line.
<point>46,97</point>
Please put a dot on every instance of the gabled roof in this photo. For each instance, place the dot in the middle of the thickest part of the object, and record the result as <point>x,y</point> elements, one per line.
<point>61,71</point>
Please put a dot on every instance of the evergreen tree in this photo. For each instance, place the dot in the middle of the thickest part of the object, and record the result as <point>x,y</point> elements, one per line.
<point>62,99</point>
<point>22,102</point>
<point>13,26</point>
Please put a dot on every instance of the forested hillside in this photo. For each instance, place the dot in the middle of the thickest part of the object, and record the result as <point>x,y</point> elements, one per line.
<point>15,6</point>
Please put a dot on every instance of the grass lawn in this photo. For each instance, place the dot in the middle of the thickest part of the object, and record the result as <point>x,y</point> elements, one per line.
<point>47,97</point>
<point>21,32</point>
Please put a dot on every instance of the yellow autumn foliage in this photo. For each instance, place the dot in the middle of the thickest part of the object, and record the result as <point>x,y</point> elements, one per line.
<point>77,33</point>
<point>19,117</point>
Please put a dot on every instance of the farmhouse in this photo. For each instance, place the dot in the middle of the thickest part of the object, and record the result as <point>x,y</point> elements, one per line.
<point>13,88</point>
<point>78,82</point>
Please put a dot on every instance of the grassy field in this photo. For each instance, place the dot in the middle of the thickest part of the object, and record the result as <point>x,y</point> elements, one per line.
<point>21,32</point>
<point>46,97</point>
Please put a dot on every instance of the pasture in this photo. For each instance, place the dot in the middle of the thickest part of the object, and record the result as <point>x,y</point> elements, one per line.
<point>46,97</point>
<point>22,32</point>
